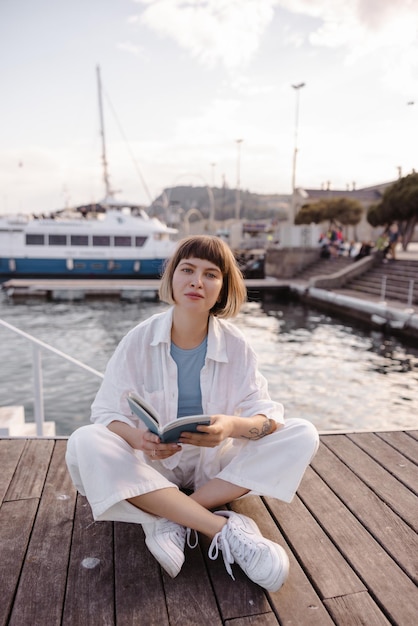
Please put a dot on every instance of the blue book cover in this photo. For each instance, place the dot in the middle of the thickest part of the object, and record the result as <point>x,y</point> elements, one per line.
<point>170,432</point>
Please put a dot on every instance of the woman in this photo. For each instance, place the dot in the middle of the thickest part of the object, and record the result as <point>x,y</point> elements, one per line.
<point>185,361</point>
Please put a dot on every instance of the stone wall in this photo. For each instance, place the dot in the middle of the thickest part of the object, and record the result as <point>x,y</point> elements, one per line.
<point>288,262</point>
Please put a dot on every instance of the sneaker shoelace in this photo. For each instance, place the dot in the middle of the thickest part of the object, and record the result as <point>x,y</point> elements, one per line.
<point>220,542</point>
<point>189,532</point>
<point>179,533</point>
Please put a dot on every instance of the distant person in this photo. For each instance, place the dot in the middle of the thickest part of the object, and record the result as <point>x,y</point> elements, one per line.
<point>382,244</point>
<point>324,242</point>
<point>394,237</point>
<point>365,250</point>
<point>190,360</point>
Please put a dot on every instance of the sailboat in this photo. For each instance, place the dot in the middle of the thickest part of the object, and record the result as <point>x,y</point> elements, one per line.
<point>107,239</point>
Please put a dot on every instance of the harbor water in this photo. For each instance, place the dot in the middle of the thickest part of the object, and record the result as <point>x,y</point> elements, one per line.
<point>337,375</point>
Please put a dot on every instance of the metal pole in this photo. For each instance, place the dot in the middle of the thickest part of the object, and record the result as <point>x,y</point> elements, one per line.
<point>411,293</point>
<point>383,288</point>
<point>38,391</point>
<point>295,152</point>
<point>238,191</point>
<point>106,180</point>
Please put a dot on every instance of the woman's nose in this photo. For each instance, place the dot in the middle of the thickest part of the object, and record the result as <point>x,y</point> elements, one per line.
<point>195,281</point>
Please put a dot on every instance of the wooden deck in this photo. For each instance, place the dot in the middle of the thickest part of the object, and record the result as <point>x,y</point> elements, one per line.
<point>350,533</point>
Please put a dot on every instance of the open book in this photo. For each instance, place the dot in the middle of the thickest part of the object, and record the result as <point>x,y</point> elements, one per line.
<point>171,431</point>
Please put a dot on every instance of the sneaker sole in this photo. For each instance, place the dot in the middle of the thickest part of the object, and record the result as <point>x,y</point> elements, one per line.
<point>172,567</point>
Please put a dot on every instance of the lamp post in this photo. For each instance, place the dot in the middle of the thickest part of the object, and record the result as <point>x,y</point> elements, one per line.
<point>238,191</point>
<point>297,88</point>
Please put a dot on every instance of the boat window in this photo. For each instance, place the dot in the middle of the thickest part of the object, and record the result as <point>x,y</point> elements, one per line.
<point>122,241</point>
<point>161,236</point>
<point>57,240</point>
<point>35,240</point>
<point>79,240</point>
<point>101,240</point>
<point>139,241</point>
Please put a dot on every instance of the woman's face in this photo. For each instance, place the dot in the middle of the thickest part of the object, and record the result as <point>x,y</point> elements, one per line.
<point>197,284</point>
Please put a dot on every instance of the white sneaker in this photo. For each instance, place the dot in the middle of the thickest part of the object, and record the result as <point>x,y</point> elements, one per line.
<point>165,540</point>
<point>262,560</point>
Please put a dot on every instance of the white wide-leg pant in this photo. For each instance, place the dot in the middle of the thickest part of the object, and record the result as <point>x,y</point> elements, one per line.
<point>105,468</point>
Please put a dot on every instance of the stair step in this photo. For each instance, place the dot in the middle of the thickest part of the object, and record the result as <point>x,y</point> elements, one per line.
<point>12,423</point>
<point>10,417</point>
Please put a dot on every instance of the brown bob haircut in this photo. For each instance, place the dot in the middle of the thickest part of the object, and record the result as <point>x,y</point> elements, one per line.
<point>233,293</point>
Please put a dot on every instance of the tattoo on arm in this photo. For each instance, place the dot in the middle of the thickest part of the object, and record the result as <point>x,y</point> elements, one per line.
<point>257,433</point>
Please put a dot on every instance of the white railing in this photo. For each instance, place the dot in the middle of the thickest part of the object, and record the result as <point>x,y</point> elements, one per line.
<point>38,346</point>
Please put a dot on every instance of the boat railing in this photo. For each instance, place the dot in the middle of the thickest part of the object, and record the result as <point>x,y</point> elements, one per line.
<point>37,347</point>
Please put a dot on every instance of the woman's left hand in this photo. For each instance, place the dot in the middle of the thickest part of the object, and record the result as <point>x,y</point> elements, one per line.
<point>220,428</point>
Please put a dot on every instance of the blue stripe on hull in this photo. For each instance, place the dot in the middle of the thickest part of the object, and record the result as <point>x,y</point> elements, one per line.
<point>86,268</point>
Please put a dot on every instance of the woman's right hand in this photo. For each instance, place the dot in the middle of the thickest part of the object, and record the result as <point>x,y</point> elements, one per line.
<point>144,440</point>
<point>156,450</point>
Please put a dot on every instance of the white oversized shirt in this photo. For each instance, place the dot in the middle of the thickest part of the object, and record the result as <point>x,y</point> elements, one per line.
<point>230,381</point>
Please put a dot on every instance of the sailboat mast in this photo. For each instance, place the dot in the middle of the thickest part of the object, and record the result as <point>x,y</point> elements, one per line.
<point>108,190</point>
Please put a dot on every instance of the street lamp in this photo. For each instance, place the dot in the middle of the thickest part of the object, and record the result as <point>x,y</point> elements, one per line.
<point>297,88</point>
<point>238,192</point>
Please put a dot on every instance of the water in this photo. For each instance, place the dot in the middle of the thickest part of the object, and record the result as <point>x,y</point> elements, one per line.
<point>336,375</point>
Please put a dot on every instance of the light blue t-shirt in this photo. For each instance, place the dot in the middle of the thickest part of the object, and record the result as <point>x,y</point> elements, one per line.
<point>189,363</point>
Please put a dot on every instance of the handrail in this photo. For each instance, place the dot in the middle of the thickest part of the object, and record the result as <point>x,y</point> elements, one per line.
<point>38,346</point>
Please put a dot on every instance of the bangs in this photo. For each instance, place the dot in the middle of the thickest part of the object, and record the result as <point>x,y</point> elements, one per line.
<point>207,248</point>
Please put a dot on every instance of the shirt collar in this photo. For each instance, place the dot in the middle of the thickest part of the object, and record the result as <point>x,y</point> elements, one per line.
<point>216,349</point>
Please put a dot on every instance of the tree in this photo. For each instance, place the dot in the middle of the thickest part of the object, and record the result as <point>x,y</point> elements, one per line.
<point>341,211</point>
<point>398,204</point>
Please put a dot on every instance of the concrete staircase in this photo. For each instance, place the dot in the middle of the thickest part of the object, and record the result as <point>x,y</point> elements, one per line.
<point>12,424</point>
<point>324,267</point>
<point>390,281</point>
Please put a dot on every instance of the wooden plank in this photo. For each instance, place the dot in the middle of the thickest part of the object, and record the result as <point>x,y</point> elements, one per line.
<point>236,598</point>
<point>16,520</point>
<point>387,583</point>
<point>413,434</point>
<point>297,602</point>
<point>388,457</point>
<point>403,442</point>
<point>400,541</point>
<point>356,609</point>
<point>315,550</point>
<point>189,596</point>
<point>10,452</point>
<point>89,599</point>
<point>386,486</point>
<point>41,590</point>
<point>268,619</point>
<point>29,478</point>
<point>139,592</point>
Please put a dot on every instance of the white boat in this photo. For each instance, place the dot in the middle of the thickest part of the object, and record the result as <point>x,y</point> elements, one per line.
<point>117,242</point>
<point>101,240</point>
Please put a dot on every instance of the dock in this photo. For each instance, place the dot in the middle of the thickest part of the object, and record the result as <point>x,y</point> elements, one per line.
<point>85,288</point>
<point>350,532</point>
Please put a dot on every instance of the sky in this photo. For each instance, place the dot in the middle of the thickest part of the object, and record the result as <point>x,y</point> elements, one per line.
<point>184,80</point>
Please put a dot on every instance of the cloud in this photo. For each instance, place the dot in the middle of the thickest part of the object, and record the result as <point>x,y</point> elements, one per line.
<point>361,25</point>
<point>229,32</point>
<point>131,48</point>
<point>213,31</point>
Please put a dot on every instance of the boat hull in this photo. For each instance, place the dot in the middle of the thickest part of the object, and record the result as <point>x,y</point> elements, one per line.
<point>80,268</point>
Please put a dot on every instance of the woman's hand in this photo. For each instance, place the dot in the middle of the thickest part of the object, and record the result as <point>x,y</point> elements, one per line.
<point>221,427</point>
<point>154,449</point>
<point>145,441</point>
